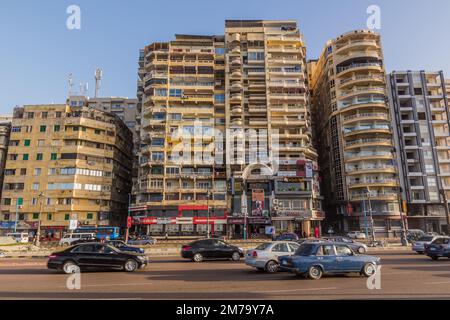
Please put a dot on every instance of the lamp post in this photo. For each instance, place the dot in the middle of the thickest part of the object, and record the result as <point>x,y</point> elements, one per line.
<point>127,234</point>
<point>244,208</point>
<point>208,231</point>
<point>38,232</point>
<point>447,217</point>
<point>370,215</point>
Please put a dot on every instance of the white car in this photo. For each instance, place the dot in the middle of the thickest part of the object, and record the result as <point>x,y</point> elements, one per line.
<point>2,254</point>
<point>419,245</point>
<point>20,237</point>
<point>69,238</point>
<point>265,256</point>
<point>356,235</point>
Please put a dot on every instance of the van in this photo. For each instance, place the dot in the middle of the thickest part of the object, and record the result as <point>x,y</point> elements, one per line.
<point>20,237</point>
<point>69,238</point>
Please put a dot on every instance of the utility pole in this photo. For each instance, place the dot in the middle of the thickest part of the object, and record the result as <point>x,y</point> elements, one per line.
<point>444,199</point>
<point>208,231</point>
<point>38,233</point>
<point>127,234</point>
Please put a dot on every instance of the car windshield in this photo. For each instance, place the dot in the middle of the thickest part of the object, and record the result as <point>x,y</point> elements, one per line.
<point>263,246</point>
<point>426,238</point>
<point>306,249</point>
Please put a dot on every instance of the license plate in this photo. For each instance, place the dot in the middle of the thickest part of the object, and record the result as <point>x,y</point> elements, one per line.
<point>433,249</point>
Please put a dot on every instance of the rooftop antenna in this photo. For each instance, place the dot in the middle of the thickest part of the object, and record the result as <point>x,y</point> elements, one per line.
<point>98,80</point>
<point>70,84</point>
<point>83,88</point>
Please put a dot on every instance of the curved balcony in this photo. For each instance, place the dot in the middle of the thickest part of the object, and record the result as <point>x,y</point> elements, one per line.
<point>372,183</point>
<point>236,75</point>
<point>362,90</point>
<point>236,61</point>
<point>368,142</point>
<point>356,44</point>
<point>236,122</point>
<point>340,58</point>
<point>341,71</point>
<point>236,86</point>
<point>371,169</point>
<point>367,130</point>
<point>236,98</point>
<point>235,37</point>
<point>363,104</point>
<point>365,116</point>
<point>361,80</point>
<point>235,50</point>
<point>368,156</point>
<point>374,196</point>
<point>236,111</point>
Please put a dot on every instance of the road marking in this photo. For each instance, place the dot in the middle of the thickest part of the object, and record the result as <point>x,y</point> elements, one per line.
<point>114,284</point>
<point>439,282</point>
<point>293,290</point>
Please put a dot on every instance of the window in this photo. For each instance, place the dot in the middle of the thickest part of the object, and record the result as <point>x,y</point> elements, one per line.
<point>35,186</point>
<point>27,143</point>
<point>343,251</point>
<point>49,217</point>
<point>56,128</point>
<point>325,251</point>
<point>34,201</point>
<point>52,171</point>
<point>16,129</point>
<point>37,172</point>
<point>23,172</point>
<point>42,128</point>
<point>176,92</point>
<point>90,216</point>
<point>25,157</point>
<point>7,201</point>
<point>281,247</point>
<point>67,217</point>
<point>35,216</point>
<point>54,156</point>
<point>58,114</point>
<point>41,143</point>
<point>39,157</point>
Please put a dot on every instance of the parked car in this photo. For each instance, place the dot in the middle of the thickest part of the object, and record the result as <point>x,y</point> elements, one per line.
<point>211,249</point>
<point>20,237</point>
<point>316,259</point>
<point>414,235</point>
<point>356,235</point>
<point>2,254</point>
<point>122,246</point>
<point>440,247</point>
<point>356,246</point>
<point>95,255</point>
<point>304,240</point>
<point>287,237</point>
<point>265,256</point>
<point>69,238</point>
<point>419,245</point>
<point>142,241</point>
<point>85,240</point>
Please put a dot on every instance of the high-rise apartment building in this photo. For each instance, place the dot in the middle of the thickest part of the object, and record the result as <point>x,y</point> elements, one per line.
<point>271,163</point>
<point>66,163</point>
<point>182,181</point>
<point>355,135</point>
<point>420,114</point>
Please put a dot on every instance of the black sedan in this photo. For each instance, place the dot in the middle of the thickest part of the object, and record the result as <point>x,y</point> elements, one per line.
<point>95,256</point>
<point>211,249</point>
<point>122,246</point>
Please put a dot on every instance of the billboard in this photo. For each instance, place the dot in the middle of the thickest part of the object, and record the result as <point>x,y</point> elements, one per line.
<point>257,203</point>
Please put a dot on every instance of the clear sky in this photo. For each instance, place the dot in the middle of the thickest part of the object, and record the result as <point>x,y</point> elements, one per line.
<point>38,52</point>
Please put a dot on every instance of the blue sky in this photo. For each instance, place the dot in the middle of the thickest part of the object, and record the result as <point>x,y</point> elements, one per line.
<point>38,52</point>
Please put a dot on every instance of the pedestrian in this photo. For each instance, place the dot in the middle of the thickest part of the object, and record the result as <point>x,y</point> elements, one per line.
<point>304,235</point>
<point>316,232</point>
<point>167,236</point>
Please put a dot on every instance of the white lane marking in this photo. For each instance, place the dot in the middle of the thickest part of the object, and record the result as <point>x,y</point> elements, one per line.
<point>438,282</point>
<point>114,284</point>
<point>293,290</point>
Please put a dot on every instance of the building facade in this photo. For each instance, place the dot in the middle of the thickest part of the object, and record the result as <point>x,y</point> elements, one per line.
<point>5,131</point>
<point>271,163</point>
<point>355,137</point>
<point>182,182</point>
<point>420,114</point>
<point>66,163</point>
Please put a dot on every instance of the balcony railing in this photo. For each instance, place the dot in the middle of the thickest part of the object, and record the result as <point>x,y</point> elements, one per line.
<point>362,141</point>
<point>358,65</point>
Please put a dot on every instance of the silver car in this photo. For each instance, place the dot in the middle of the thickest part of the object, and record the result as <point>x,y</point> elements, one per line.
<point>265,256</point>
<point>419,245</point>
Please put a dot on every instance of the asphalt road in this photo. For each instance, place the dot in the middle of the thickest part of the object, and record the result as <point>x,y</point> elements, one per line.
<point>403,275</point>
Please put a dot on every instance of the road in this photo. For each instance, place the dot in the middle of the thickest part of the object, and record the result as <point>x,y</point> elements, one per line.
<point>403,275</point>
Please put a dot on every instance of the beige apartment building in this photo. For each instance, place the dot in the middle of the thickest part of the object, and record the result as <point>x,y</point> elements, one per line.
<point>355,136</point>
<point>5,131</point>
<point>271,162</point>
<point>182,182</point>
<point>66,163</point>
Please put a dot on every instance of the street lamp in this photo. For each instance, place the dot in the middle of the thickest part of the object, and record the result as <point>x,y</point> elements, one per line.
<point>370,215</point>
<point>38,232</point>
<point>127,234</point>
<point>208,231</point>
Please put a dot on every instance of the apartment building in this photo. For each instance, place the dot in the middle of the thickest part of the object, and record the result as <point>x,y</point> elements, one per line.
<point>5,131</point>
<point>420,114</point>
<point>66,163</point>
<point>181,100</point>
<point>355,136</point>
<point>270,162</point>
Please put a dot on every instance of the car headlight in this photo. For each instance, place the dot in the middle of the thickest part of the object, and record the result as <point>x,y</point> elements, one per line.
<point>241,249</point>
<point>142,258</point>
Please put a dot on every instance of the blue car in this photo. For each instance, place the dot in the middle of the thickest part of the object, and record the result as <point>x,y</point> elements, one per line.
<point>122,246</point>
<point>316,259</point>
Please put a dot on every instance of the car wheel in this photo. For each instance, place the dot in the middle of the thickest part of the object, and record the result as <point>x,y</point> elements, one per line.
<point>272,267</point>
<point>70,267</point>
<point>315,273</point>
<point>197,257</point>
<point>361,250</point>
<point>130,266</point>
<point>434,258</point>
<point>369,269</point>
<point>235,256</point>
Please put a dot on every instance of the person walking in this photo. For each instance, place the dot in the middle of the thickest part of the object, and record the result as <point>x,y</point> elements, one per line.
<point>316,232</point>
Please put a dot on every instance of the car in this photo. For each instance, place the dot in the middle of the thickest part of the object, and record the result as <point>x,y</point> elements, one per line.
<point>122,246</point>
<point>142,241</point>
<point>69,238</point>
<point>95,255</point>
<point>287,237</point>
<point>19,237</point>
<point>419,245</point>
<point>356,246</point>
<point>414,234</point>
<point>356,235</point>
<point>2,254</point>
<point>303,240</point>
<point>265,256</point>
<point>440,247</point>
<point>313,260</point>
<point>203,249</point>
<point>85,240</point>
